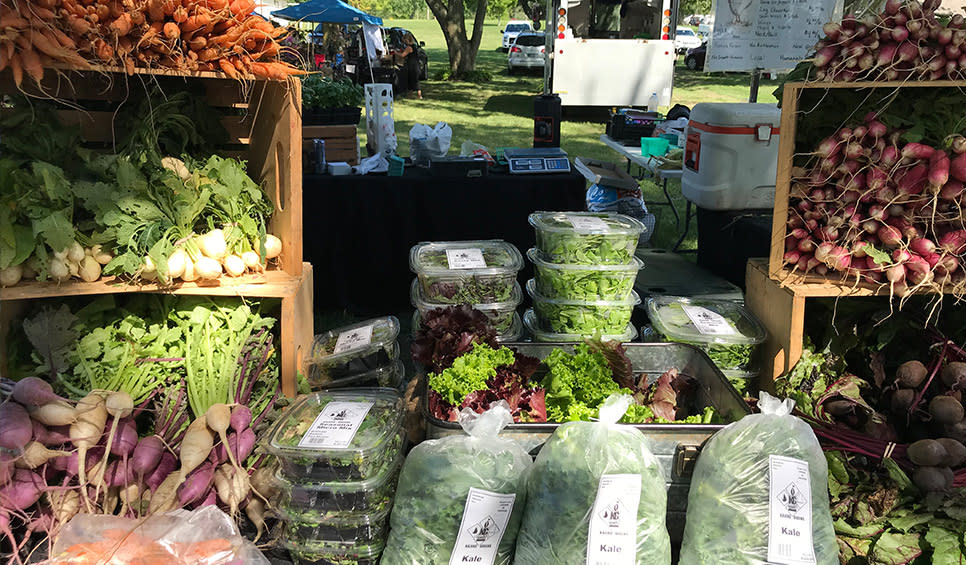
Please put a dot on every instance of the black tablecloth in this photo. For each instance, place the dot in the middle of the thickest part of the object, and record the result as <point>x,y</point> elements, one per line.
<point>358,229</point>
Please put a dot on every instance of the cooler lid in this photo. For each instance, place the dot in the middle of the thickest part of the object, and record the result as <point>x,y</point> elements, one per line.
<point>735,114</point>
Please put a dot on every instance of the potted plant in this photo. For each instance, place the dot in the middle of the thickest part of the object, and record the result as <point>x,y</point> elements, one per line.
<point>326,101</point>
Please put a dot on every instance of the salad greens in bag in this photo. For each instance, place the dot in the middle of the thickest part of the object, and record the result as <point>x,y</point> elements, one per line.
<point>733,499</point>
<point>460,496</point>
<point>596,494</point>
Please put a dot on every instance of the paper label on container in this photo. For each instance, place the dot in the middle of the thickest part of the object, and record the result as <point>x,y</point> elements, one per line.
<point>353,339</point>
<point>588,224</point>
<point>465,258</point>
<point>708,322</point>
<point>336,425</point>
<point>485,517</point>
<point>789,512</point>
<point>612,539</point>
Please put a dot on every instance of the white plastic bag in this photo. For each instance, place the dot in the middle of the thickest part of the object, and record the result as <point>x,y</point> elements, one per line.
<point>733,499</point>
<point>596,494</point>
<point>426,142</point>
<point>460,496</point>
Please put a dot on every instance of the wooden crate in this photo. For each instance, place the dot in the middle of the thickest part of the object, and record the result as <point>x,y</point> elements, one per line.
<point>341,143</point>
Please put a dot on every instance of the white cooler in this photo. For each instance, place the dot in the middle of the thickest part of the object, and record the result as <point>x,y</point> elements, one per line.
<point>731,156</point>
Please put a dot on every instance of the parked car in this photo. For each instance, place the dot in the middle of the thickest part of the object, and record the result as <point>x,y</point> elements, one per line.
<point>514,28</point>
<point>526,52</point>
<point>694,59</point>
<point>685,39</point>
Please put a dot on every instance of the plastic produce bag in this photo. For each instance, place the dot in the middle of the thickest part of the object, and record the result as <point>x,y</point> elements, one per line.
<point>757,486</point>
<point>460,497</point>
<point>426,142</point>
<point>473,149</point>
<point>206,536</point>
<point>596,494</point>
<point>606,199</point>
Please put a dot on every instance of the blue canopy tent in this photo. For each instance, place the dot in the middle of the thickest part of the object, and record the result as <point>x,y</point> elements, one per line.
<point>326,11</point>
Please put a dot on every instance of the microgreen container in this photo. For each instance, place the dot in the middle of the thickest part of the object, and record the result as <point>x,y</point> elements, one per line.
<point>358,529</point>
<point>512,333</point>
<point>338,435</point>
<point>725,330</point>
<point>311,552</point>
<point>584,282</point>
<point>583,317</point>
<point>745,382</point>
<point>392,376</point>
<point>499,313</point>
<point>545,335</point>
<point>466,272</point>
<point>319,501</point>
<point>353,350</point>
<point>586,238</point>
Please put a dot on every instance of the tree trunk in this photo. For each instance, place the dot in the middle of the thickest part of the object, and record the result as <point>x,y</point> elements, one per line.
<point>461,49</point>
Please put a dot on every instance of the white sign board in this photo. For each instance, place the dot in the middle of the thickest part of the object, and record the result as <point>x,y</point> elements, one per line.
<point>765,34</point>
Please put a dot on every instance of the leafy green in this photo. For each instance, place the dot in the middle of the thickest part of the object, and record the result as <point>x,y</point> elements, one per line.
<point>577,384</point>
<point>675,324</point>
<point>323,92</point>
<point>470,372</point>
<point>585,284</point>
<point>585,319</point>
<point>559,242</point>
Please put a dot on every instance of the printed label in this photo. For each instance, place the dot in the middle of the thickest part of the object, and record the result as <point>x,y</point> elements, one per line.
<point>789,512</point>
<point>336,425</point>
<point>485,517</point>
<point>708,322</point>
<point>465,258</point>
<point>353,339</point>
<point>612,539</point>
<point>588,224</point>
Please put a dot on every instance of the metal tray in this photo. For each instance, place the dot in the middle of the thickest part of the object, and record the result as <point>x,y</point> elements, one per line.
<point>675,445</point>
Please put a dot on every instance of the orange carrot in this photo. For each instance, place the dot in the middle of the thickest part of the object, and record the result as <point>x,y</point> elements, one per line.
<point>12,19</point>
<point>197,21</point>
<point>32,64</point>
<point>180,15</point>
<point>63,39</point>
<point>79,26</point>
<point>16,67</point>
<point>155,10</point>
<point>169,7</point>
<point>103,50</point>
<point>171,30</point>
<point>216,5</point>
<point>124,46</point>
<point>228,68</point>
<point>4,59</point>
<point>208,54</point>
<point>117,9</point>
<point>129,66</point>
<point>43,13</point>
<point>122,25</point>
<point>241,8</point>
<point>137,17</point>
<point>197,43</point>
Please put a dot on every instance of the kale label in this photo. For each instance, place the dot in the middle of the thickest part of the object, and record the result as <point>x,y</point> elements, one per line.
<point>485,517</point>
<point>612,539</point>
<point>353,339</point>
<point>588,224</point>
<point>708,322</point>
<point>336,425</point>
<point>789,512</point>
<point>465,258</point>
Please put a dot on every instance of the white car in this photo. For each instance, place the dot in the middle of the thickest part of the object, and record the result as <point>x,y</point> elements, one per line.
<point>526,52</point>
<point>512,30</point>
<point>685,39</point>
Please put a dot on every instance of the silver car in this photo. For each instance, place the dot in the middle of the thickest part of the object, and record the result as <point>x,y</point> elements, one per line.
<point>526,52</point>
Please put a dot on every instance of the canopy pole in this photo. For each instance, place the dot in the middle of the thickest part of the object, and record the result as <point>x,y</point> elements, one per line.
<point>755,83</point>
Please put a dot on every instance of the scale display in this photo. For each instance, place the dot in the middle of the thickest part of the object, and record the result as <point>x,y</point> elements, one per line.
<point>537,160</point>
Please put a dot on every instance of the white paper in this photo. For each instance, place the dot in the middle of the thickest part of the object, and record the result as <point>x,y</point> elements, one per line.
<point>353,339</point>
<point>588,224</point>
<point>612,538</point>
<point>465,258</point>
<point>789,512</point>
<point>485,517</point>
<point>336,425</point>
<point>708,322</point>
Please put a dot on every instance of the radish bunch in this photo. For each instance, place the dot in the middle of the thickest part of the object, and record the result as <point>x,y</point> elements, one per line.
<point>880,209</point>
<point>905,41</point>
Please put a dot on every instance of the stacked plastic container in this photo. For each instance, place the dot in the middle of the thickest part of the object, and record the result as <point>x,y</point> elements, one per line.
<point>480,273</point>
<point>339,454</point>
<point>361,355</point>
<point>585,268</point>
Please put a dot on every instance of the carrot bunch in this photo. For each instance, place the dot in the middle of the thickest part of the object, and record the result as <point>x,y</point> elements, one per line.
<point>182,35</point>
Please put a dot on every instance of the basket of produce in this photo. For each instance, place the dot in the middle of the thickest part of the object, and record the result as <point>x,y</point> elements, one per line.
<point>585,317</point>
<point>353,350</point>
<point>584,282</point>
<point>466,272</point>
<point>586,238</point>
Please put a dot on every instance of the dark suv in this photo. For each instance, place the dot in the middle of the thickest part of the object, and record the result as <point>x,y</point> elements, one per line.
<point>357,62</point>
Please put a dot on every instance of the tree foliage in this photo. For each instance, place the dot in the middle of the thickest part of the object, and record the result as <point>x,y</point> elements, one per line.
<point>688,7</point>
<point>462,49</point>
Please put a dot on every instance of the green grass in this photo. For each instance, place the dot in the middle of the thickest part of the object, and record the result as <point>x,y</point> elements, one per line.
<point>499,113</point>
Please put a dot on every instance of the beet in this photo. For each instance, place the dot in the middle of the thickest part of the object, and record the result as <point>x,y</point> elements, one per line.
<point>931,479</point>
<point>902,399</point>
<point>954,373</point>
<point>955,431</point>
<point>911,374</point>
<point>955,452</point>
<point>946,410</point>
<point>839,407</point>
<point>927,453</point>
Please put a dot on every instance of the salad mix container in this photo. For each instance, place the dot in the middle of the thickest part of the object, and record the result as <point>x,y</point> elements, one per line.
<point>466,272</point>
<point>584,317</point>
<point>500,313</point>
<point>353,350</point>
<point>310,552</point>
<point>356,529</point>
<point>544,335</point>
<point>586,238</point>
<point>512,333</point>
<point>584,282</point>
<point>392,376</point>
<point>745,382</point>
<point>319,501</point>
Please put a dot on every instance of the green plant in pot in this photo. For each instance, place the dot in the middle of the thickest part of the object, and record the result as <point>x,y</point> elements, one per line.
<point>327,101</point>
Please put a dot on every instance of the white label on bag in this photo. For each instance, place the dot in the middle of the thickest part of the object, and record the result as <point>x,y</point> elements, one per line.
<point>789,512</point>
<point>485,517</point>
<point>588,224</point>
<point>465,258</point>
<point>336,425</point>
<point>353,339</point>
<point>612,539</point>
<point>708,322</point>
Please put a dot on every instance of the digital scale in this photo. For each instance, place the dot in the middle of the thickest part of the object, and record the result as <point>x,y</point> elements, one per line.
<point>537,160</point>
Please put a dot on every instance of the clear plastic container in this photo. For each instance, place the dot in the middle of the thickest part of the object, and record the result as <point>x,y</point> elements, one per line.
<point>586,238</point>
<point>584,282</point>
<point>319,501</point>
<point>357,529</point>
<point>584,317</point>
<point>356,349</point>
<point>499,313</point>
<point>392,376</point>
<point>745,382</point>
<point>726,331</point>
<point>513,333</point>
<point>466,272</point>
<point>540,334</point>
<point>338,435</point>
<point>320,553</point>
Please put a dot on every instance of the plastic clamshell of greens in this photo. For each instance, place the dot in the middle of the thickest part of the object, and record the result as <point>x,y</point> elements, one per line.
<point>354,349</point>
<point>584,282</point>
<point>338,435</point>
<point>499,313</point>
<point>320,553</point>
<point>466,272</point>
<point>725,330</point>
<point>544,335</point>
<point>512,333</point>
<point>392,376</point>
<point>745,382</point>
<point>362,528</point>
<point>586,238</point>
<point>584,317</point>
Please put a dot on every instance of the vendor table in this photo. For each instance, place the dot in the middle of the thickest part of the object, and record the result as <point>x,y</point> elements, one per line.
<point>359,228</point>
<point>647,169</point>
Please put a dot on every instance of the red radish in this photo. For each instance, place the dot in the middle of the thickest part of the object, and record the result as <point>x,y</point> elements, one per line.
<point>859,248</point>
<point>953,242</point>
<point>895,273</point>
<point>811,264</point>
<point>876,178</point>
<point>795,222</point>
<point>890,156</point>
<point>900,256</point>
<point>844,134</point>
<point>828,147</point>
<point>958,145</point>
<point>858,132</point>
<point>932,259</point>
<point>917,151</point>
<point>951,190</point>
<point>870,226</point>
<point>854,150</point>
<point>798,233</point>
<point>197,485</point>
<point>823,250</point>
<point>952,53</point>
<point>938,170</point>
<point>947,265</point>
<point>802,264</point>
<point>167,465</point>
<point>850,196</point>
<point>906,51</point>
<point>918,270</point>
<point>877,212</point>
<point>146,455</point>
<point>792,257</point>
<point>838,259</point>
<point>811,224</point>
<point>824,56</point>
<point>889,235</point>
<point>16,426</point>
<point>828,233</point>
<point>891,7</point>
<point>32,391</point>
<point>790,244</point>
<point>957,167</point>
<point>877,129</point>
<point>922,246</point>
<point>912,181</point>
<point>833,31</point>
<point>896,210</point>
